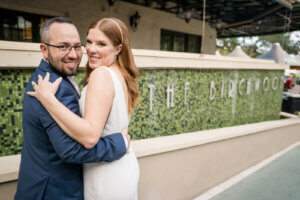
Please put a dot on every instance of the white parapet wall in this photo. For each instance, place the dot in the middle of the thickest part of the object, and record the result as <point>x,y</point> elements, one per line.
<point>28,55</point>
<point>187,165</point>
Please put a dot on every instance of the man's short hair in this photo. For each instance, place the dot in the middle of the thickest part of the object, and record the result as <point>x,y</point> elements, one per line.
<point>46,25</point>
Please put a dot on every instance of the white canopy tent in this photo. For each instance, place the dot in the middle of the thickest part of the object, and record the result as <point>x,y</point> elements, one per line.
<point>238,52</point>
<point>280,56</point>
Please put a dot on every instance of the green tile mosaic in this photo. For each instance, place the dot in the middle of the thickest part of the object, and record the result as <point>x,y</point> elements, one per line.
<point>201,113</point>
<point>12,87</point>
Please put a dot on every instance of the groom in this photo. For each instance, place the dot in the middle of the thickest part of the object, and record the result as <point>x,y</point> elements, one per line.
<point>51,162</point>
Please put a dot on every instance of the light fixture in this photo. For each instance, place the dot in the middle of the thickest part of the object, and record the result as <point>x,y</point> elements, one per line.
<point>186,15</point>
<point>152,3</point>
<point>134,21</point>
<point>111,2</point>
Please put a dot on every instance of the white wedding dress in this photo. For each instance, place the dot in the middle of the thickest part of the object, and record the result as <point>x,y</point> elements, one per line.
<point>115,180</point>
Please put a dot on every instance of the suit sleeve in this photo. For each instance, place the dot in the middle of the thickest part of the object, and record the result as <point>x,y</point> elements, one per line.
<point>108,148</point>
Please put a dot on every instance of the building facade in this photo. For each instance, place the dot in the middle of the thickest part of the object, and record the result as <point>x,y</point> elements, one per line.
<point>153,27</point>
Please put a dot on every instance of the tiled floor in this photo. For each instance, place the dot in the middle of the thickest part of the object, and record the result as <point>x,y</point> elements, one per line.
<point>276,178</point>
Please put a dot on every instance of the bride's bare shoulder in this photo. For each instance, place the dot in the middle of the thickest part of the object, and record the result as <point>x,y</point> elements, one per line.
<point>101,83</point>
<point>100,74</point>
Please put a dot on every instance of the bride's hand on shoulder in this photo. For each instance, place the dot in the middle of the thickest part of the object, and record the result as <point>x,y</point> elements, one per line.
<point>44,89</point>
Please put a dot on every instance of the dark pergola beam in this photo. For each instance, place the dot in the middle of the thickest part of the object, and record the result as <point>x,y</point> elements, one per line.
<point>262,15</point>
<point>234,17</point>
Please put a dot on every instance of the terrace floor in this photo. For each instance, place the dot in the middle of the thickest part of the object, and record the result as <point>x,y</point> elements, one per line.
<point>276,178</point>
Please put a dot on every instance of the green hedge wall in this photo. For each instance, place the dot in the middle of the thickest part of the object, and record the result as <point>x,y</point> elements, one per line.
<point>193,109</point>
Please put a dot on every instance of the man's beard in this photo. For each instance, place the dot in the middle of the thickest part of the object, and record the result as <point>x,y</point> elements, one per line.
<point>58,65</point>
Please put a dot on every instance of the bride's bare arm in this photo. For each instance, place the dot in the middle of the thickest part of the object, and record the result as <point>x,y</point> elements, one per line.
<point>99,98</point>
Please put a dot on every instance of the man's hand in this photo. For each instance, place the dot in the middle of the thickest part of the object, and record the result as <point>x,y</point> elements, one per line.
<point>124,132</point>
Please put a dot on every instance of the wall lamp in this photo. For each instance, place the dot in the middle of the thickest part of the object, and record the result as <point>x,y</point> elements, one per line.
<point>186,15</point>
<point>111,2</point>
<point>134,21</point>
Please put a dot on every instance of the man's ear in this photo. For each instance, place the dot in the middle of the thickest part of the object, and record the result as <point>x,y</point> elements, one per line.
<point>44,50</point>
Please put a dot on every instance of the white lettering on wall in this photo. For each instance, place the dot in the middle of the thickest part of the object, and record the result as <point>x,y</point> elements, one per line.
<point>249,86</point>
<point>234,87</point>
<point>186,88</point>
<point>231,89</point>
<point>222,91</point>
<point>266,82</point>
<point>212,91</point>
<point>170,90</point>
<point>257,82</point>
<point>275,83</point>
<point>240,85</point>
<point>151,86</point>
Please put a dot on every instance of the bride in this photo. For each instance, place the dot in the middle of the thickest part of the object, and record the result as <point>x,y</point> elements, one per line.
<point>109,96</point>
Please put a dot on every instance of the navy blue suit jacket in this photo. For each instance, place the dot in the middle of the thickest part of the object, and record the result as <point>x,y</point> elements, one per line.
<point>51,161</point>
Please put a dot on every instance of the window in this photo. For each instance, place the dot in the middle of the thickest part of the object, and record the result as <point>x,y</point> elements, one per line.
<point>182,42</point>
<point>20,26</point>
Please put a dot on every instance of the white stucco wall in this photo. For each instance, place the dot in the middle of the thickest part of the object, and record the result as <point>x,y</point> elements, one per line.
<point>147,35</point>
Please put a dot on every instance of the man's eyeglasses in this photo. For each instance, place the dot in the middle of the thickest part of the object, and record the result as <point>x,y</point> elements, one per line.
<point>67,48</point>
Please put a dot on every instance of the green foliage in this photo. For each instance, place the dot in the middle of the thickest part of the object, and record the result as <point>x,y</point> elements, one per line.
<point>257,45</point>
<point>289,44</point>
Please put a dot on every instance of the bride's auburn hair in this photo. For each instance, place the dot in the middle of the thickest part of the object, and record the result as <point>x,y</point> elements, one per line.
<point>118,33</point>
